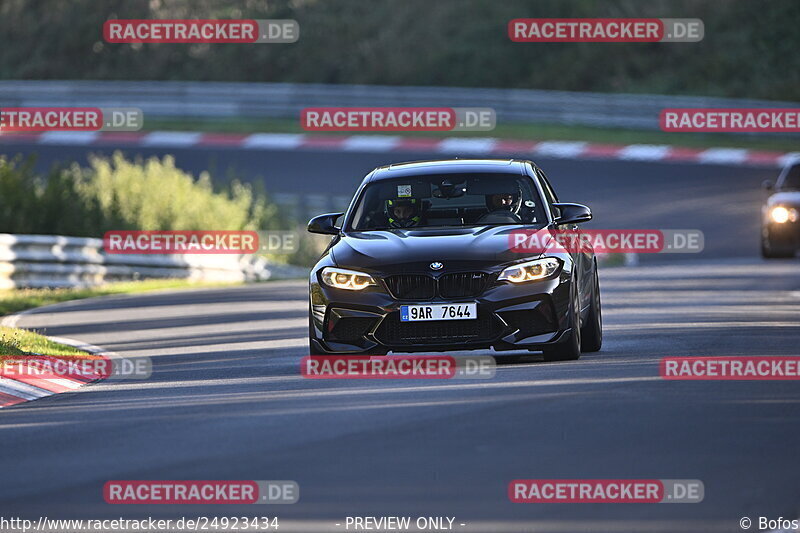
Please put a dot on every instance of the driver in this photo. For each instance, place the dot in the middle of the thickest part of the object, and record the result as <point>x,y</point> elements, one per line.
<point>402,213</point>
<point>502,201</point>
<point>505,201</point>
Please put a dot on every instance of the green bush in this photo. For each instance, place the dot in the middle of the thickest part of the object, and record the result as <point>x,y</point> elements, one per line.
<point>155,195</point>
<point>118,194</point>
<point>52,204</point>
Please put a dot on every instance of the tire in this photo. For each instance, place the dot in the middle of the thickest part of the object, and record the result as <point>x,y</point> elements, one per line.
<point>592,331</point>
<point>570,348</point>
<point>770,251</point>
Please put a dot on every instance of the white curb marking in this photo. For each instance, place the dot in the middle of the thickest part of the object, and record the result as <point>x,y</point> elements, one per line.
<point>450,145</point>
<point>723,155</point>
<point>560,148</point>
<point>68,137</point>
<point>475,146</point>
<point>171,138</point>
<point>371,143</point>
<point>273,140</point>
<point>644,152</point>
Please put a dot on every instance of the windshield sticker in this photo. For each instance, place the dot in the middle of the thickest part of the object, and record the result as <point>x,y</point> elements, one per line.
<point>403,191</point>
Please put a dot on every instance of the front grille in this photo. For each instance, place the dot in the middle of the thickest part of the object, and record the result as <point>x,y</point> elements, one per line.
<point>425,287</point>
<point>462,284</point>
<point>393,332</point>
<point>411,286</point>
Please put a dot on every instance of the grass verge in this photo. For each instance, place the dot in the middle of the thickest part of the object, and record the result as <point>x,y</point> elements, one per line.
<point>15,341</point>
<point>15,300</point>
<point>535,132</point>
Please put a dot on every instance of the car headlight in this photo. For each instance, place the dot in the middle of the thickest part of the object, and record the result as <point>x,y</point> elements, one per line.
<point>350,280</point>
<point>781,214</point>
<point>531,270</point>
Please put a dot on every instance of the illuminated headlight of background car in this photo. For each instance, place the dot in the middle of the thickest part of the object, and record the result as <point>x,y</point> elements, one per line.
<point>532,270</point>
<point>781,214</point>
<point>350,280</point>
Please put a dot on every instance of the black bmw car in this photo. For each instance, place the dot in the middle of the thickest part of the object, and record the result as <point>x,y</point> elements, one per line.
<point>422,261</point>
<point>780,214</point>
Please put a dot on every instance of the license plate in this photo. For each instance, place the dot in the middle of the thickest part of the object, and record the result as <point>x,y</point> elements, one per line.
<point>415,313</point>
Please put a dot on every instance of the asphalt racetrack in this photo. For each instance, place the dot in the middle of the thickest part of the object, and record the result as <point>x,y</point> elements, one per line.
<point>226,400</point>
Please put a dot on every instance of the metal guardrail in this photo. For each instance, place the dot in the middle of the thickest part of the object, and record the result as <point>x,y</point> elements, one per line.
<point>285,100</point>
<point>54,261</point>
<point>35,261</point>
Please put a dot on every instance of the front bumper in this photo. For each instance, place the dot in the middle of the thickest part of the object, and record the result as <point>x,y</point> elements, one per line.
<point>786,235</point>
<point>510,317</point>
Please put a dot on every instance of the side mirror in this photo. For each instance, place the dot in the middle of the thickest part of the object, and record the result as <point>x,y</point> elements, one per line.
<point>573,213</point>
<point>767,185</point>
<point>324,224</point>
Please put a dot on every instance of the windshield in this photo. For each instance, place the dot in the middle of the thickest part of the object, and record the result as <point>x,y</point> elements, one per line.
<point>791,182</point>
<point>448,200</point>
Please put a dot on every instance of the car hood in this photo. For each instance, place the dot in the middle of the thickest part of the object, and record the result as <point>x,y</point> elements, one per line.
<point>403,250</point>
<point>791,198</point>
